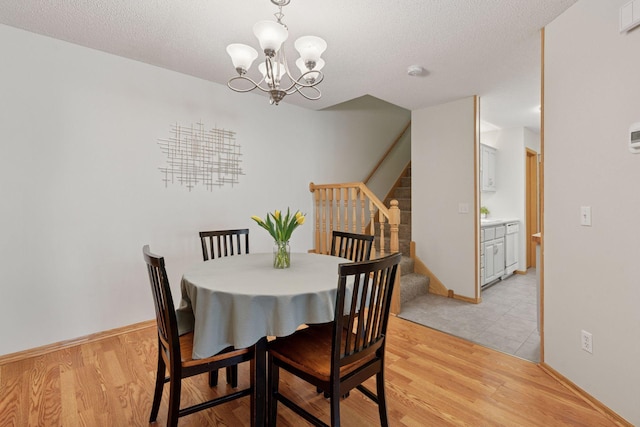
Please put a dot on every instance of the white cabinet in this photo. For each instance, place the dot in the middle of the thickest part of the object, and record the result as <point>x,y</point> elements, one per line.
<point>494,259</point>
<point>492,254</point>
<point>487,168</point>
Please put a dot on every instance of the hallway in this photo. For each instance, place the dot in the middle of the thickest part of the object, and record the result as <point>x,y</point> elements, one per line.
<point>506,320</point>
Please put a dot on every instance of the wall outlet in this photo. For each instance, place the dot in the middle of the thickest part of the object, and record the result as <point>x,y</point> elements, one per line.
<point>587,342</point>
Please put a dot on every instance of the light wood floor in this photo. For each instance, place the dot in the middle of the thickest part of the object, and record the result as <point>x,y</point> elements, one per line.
<point>433,379</point>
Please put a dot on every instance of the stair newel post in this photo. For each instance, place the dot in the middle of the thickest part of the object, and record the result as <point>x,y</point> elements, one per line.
<point>394,226</point>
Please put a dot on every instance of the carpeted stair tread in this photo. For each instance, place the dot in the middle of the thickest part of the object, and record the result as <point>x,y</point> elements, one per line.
<point>412,285</point>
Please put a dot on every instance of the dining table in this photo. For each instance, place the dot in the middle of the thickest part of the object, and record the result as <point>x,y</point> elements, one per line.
<point>241,300</point>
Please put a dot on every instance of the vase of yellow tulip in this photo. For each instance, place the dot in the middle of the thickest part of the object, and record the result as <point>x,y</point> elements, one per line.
<point>281,255</point>
<point>280,227</point>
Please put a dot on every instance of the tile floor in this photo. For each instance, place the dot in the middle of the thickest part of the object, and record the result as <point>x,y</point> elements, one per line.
<point>505,320</point>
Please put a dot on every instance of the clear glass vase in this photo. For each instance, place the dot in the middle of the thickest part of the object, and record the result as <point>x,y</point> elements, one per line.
<point>281,255</point>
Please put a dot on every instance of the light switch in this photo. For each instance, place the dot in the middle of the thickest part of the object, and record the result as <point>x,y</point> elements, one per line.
<point>585,216</point>
<point>463,208</point>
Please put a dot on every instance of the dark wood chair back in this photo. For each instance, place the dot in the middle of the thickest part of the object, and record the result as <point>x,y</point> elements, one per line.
<point>175,351</point>
<point>353,246</point>
<point>163,302</point>
<point>341,355</point>
<point>219,243</point>
<point>362,308</point>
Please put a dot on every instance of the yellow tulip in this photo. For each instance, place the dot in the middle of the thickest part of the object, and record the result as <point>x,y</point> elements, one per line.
<point>276,215</point>
<point>300,220</point>
<point>257,219</point>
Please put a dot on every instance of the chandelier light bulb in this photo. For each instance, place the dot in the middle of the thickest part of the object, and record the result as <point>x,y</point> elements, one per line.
<point>242,56</point>
<point>310,48</point>
<point>277,68</point>
<point>310,77</point>
<point>303,67</point>
<point>271,35</point>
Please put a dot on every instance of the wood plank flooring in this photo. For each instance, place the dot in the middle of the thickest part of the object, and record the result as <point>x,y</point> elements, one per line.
<point>432,379</point>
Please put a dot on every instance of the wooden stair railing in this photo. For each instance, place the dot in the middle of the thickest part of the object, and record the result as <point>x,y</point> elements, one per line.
<point>352,207</point>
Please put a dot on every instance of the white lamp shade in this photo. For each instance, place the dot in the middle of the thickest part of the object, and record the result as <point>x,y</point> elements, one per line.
<point>262,67</point>
<point>270,34</point>
<point>242,55</point>
<point>310,48</point>
<point>303,68</point>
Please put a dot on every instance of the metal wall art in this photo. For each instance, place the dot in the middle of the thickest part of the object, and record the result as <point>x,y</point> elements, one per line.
<point>196,156</point>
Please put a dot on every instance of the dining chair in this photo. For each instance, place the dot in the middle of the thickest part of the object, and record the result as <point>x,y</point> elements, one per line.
<point>353,246</point>
<point>174,352</point>
<point>219,243</point>
<point>356,247</point>
<point>216,244</point>
<point>341,355</point>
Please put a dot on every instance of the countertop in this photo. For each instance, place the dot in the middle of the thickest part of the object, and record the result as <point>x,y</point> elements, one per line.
<point>492,222</point>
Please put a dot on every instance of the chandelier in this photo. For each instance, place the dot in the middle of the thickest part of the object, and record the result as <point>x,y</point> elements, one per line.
<point>277,80</point>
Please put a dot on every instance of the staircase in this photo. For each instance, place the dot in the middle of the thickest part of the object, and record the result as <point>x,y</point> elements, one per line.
<point>353,206</point>
<point>411,284</point>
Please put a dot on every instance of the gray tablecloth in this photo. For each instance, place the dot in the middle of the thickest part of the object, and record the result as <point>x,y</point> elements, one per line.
<point>236,300</point>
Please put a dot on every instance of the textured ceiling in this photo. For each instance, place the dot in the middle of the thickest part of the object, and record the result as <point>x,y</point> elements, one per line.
<point>489,48</point>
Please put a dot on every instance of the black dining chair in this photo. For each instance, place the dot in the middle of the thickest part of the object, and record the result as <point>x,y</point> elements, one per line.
<point>353,246</point>
<point>219,243</point>
<point>341,355</point>
<point>216,244</point>
<point>174,352</point>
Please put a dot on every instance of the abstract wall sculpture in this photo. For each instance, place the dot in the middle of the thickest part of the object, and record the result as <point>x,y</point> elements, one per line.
<point>196,156</point>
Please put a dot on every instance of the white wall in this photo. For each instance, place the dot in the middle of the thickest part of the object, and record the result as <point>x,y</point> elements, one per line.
<point>386,176</point>
<point>592,274</point>
<point>508,199</point>
<point>532,140</point>
<point>395,162</point>
<point>82,193</point>
<point>442,168</point>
